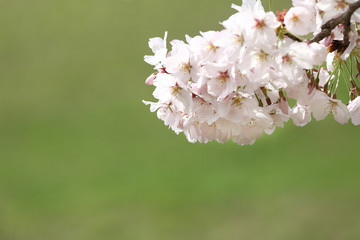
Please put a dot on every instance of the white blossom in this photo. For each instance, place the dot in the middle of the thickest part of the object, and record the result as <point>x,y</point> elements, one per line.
<point>300,115</point>
<point>300,21</point>
<point>322,105</point>
<point>354,109</point>
<point>236,83</point>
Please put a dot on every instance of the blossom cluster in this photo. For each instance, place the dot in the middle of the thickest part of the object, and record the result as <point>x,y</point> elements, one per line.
<point>235,83</point>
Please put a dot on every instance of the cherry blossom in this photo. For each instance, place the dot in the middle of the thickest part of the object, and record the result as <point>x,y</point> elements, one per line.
<point>300,21</point>
<point>354,109</point>
<point>236,83</point>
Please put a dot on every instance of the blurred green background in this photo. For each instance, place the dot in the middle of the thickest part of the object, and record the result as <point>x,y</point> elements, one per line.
<point>82,158</point>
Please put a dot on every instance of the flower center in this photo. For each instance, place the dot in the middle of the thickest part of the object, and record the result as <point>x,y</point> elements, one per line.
<point>286,59</point>
<point>239,39</point>
<point>175,90</point>
<point>259,23</point>
<point>185,67</point>
<point>223,77</point>
<point>237,101</point>
<point>262,55</point>
<point>212,47</point>
<point>252,123</point>
<point>295,18</point>
<point>341,5</point>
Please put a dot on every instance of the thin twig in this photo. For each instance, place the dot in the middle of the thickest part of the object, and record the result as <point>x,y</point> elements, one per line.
<point>291,36</point>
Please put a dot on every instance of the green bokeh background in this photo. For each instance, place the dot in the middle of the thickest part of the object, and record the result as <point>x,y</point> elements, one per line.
<point>81,158</point>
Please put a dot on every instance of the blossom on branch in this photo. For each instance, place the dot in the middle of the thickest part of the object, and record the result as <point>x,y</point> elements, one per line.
<point>235,83</point>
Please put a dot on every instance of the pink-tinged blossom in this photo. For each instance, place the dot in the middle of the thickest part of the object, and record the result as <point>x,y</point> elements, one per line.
<point>301,92</point>
<point>254,128</point>
<point>309,4</point>
<point>158,46</point>
<point>169,91</point>
<point>301,115</point>
<point>354,109</point>
<point>330,61</point>
<point>232,46</point>
<point>261,31</point>
<point>238,109</point>
<point>259,25</point>
<point>181,62</point>
<point>300,21</point>
<point>324,77</point>
<point>353,37</point>
<point>333,8</point>
<point>307,55</point>
<point>290,71</point>
<point>204,111</point>
<point>251,5</point>
<point>278,116</point>
<point>166,113</point>
<point>221,82</point>
<point>150,79</point>
<point>236,83</point>
<point>206,48</point>
<point>322,105</point>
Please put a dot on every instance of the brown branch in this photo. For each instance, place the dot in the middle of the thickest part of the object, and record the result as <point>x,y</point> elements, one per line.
<point>289,35</point>
<point>330,25</point>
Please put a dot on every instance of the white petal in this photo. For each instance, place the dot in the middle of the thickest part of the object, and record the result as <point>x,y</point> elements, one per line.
<point>320,106</point>
<point>341,113</point>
